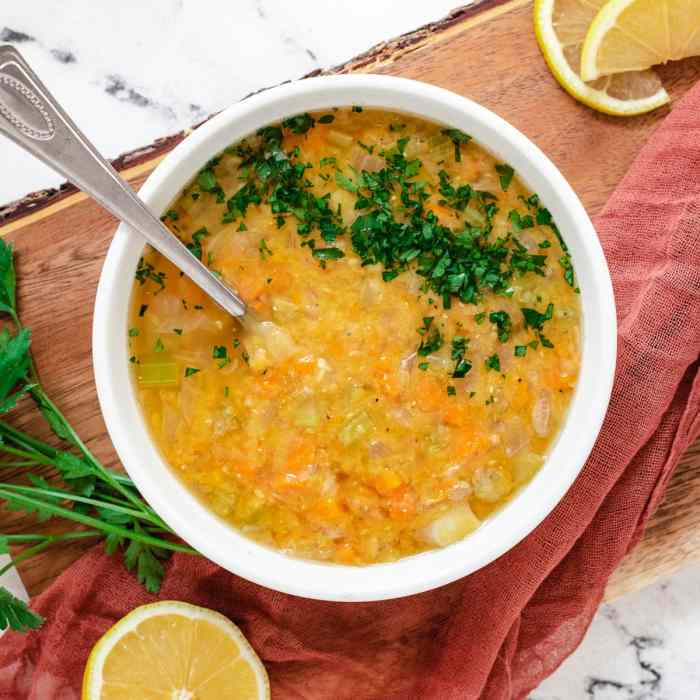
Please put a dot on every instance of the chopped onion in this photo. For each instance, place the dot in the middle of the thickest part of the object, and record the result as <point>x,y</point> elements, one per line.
<point>338,138</point>
<point>541,413</point>
<point>491,484</point>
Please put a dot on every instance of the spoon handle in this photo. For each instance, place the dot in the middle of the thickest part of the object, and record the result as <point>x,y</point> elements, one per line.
<point>32,118</point>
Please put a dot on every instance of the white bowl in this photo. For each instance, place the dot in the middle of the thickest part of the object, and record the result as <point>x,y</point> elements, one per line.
<point>214,538</point>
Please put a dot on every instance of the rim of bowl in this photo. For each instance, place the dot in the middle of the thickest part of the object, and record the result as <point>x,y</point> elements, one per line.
<point>223,544</point>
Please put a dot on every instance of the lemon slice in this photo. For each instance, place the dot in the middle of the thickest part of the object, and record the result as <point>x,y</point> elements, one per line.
<point>174,651</point>
<point>561,27</point>
<point>635,34</point>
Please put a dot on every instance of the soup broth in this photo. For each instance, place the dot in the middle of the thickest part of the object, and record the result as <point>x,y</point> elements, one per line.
<point>411,349</point>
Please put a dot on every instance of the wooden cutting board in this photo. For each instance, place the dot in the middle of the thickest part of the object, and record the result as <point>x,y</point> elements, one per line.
<point>487,52</point>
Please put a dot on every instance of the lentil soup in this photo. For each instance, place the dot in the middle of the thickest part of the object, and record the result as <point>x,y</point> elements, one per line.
<point>412,345</point>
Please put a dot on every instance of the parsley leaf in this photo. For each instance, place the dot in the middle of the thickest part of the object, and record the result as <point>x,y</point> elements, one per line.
<point>458,138</point>
<point>145,271</point>
<point>8,299</point>
<point>493,362</point>
<point>14,361</point>
<point>327,253</point>
<point>144,559</point>
<point>501,319</point>
<point>345,182</point>
<point>15,613</point>
<point>195,247</point>
<point>506,175</point>
<point>535,320</point>
<point>300,124</point>
<point>432,339</point>
<point>459,349</point>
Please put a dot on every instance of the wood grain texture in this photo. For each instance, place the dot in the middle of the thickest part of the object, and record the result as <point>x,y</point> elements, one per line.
<point>487,52</point>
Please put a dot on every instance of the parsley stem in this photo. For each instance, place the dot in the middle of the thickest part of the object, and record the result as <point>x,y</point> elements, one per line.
<point>36,459</point>
<point>45,541</point>
<point>53,509</point>
<point>18,539</point>
<point>104,474</point>
<point>26,554</point>
<point>68,496</point>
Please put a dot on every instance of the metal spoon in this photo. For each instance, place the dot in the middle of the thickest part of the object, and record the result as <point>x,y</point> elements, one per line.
<point>33,119</point>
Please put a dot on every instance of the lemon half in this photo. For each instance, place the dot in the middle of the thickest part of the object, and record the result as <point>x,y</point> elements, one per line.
<point>174,651</point>
<point>630,35</point>
<point>561,27</point>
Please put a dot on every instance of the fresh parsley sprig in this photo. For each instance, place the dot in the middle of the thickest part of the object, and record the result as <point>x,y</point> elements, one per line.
<point>102,503</point>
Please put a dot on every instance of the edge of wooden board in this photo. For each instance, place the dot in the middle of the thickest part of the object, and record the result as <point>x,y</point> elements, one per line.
<point>131,164</point>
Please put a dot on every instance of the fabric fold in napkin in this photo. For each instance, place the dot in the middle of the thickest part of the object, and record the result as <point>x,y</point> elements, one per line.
<point>497,633</point>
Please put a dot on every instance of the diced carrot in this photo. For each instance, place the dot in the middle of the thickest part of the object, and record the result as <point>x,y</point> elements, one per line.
<point>345,554</point>
<point>401,502</point>
<point>328,509</point>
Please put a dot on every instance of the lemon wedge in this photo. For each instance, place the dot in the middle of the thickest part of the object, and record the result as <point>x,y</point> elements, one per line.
<point>561,27</point>
<point>174,651</point>
<point>631,35</point>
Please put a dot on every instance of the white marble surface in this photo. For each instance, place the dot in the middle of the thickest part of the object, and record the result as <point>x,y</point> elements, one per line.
<point>132,71</point>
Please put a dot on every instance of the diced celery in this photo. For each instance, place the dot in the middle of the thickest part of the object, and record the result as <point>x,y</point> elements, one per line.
<point>358,426</point>
<point>157,372</point>
<point>307,415</point>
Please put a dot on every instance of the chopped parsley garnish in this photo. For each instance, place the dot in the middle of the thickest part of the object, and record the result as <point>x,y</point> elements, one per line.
<point>345,182</point>
<point>177,331</point>
<point>356,108</point>
<point>535,320</point>
<point>523,262</point>
<point>189,371</point>
<point>565,262</point>
<point>159,346</point>
<point>265,252</point>
<point>520,350</point>
<point>172,215</point>
<point>423,366</point>
<point>327,253</point>
<point>221,353</point>
<point>459,139</point>
<point>459,349</point>
<point>142,310</point>
<point>146,271</point>
<point>207,182</point>
<point>480,317</point>
<point>455,197</point>
<point>501,319</point>
<point>493,362</point>
<point>133,332</point>
<point>451,391</point>
<point>326,119</point>
<point>520,222</point>
<point>300,124</point>
<point>195,247</point>
<point>543,217</point>
<point>237,206</point>
<point>328,160</point>
<point>506,175</point>
<point>432,339</point>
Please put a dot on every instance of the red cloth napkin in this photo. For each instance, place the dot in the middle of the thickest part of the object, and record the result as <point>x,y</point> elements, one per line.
<point>497,633</point>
